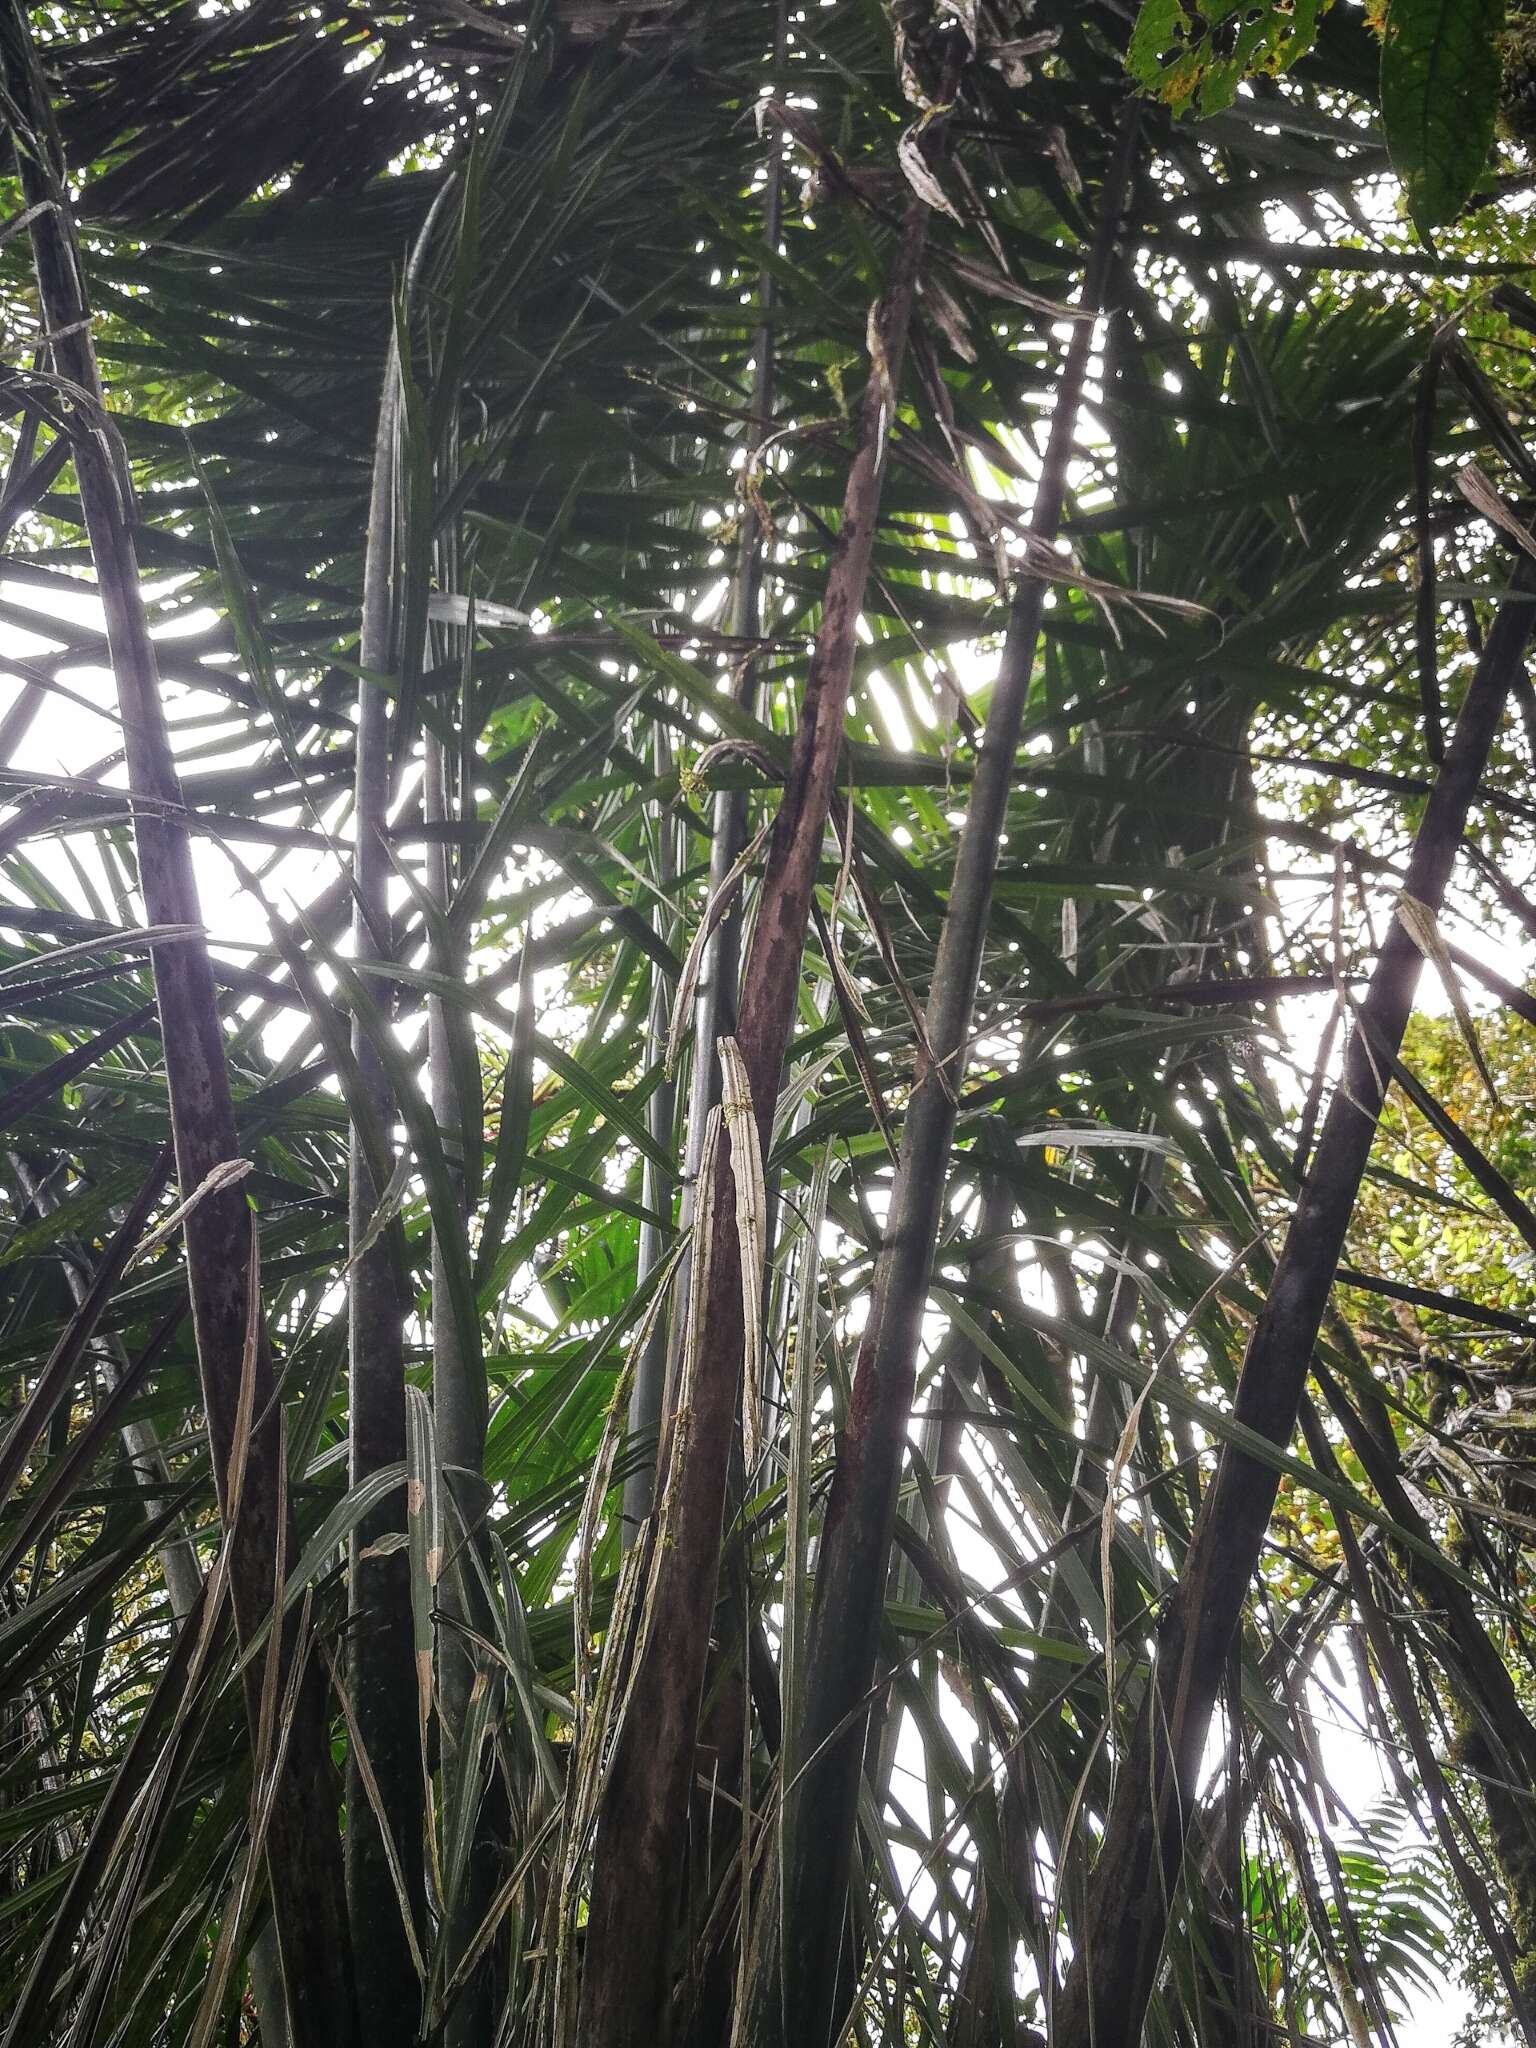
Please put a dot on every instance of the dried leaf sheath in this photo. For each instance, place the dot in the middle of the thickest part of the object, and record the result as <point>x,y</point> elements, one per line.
<point>751,1203</point>
<point>639,1859</point>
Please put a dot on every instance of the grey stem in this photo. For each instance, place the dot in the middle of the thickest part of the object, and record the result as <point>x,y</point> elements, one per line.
<point>656,1195</point>
<point>714,1010</point>
<point>381,1667</point>
<point>796,1989</point>
<point>460,1412</point>
<point>382,1674</point>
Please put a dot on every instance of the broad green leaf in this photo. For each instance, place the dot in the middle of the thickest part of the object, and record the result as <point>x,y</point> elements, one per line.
<point>1441,70</point>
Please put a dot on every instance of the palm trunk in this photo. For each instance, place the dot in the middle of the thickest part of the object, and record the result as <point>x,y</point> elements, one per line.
<point>715,1004</point>
<point>643,1825</point>
<point>647,1398</point>
<point>1143,1846</point>
<point>381,1666</point>
<point>303,1856</point>
<point>861,1511</point>
<point>460,1407</point>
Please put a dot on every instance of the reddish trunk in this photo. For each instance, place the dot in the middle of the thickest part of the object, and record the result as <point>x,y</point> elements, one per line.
<point>643,1827</point>
<point>303,1851</point>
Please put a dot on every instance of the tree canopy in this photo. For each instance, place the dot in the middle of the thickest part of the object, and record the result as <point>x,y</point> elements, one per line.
<point>766,869</point>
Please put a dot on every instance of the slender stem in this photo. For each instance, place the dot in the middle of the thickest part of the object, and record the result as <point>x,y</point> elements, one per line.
<point>1142,1851</point>
<point>303,1854</point>
<point>861,1511</point>
<point>382,1681</point>
<point>640,1859</point>
<point>381,1676</point>
<point>460,1409</point>
<point>715,1003</point>
<point>657,1189</point>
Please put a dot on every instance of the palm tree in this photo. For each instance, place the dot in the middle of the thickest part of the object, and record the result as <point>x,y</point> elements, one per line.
<point>797,695</point>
